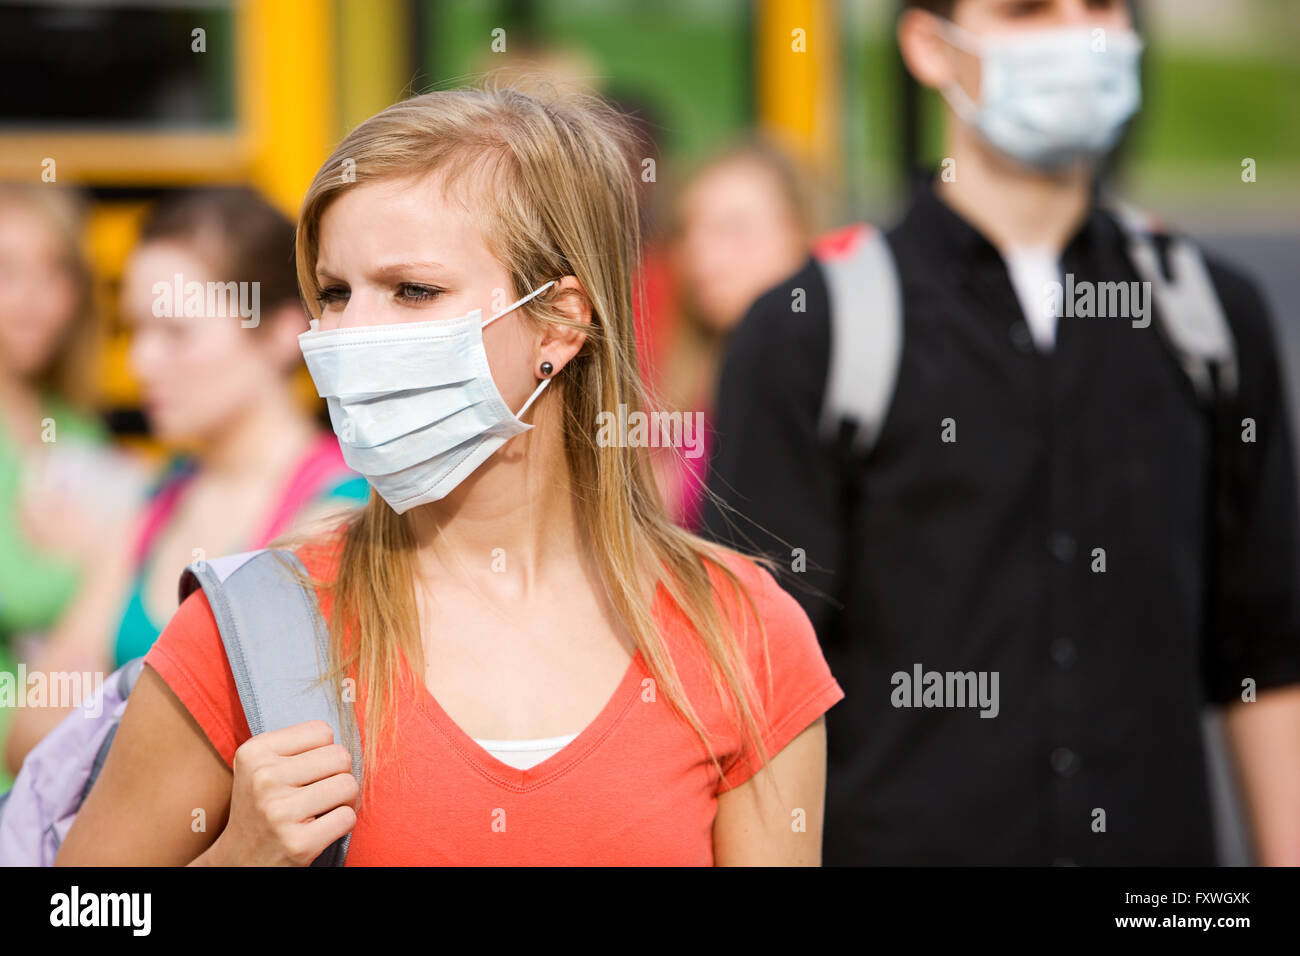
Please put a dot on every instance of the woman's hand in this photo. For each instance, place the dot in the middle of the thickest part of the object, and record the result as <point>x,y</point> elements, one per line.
<point>293,795</point>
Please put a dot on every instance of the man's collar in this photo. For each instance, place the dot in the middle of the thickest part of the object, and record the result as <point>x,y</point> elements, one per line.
<point>946,230</point>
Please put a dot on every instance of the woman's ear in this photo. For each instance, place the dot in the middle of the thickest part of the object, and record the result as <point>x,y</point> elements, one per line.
<point>560,343</point>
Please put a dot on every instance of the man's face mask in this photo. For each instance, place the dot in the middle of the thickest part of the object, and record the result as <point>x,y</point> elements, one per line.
<point>1050,97</point>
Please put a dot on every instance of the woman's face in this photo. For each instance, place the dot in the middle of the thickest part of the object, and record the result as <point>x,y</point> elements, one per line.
<point>401,251</point>
<point>196,374</point>
<point>738,239</point>
<point>38,292</point>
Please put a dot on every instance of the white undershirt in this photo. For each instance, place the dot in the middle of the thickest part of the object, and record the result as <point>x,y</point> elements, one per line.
<point>523,754</point>
<point>1032,269</point>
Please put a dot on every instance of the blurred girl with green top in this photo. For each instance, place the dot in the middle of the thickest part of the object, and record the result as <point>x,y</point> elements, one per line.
<point>47,433</point>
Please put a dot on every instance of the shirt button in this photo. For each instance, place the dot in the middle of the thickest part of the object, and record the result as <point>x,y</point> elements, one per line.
<point>1021,337</point>
<point>1061,545</point>
<point>1065,761</point>
<point>1063,651</point>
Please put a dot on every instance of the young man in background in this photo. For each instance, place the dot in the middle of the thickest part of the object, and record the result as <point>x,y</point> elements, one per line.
<point>1049,504</point>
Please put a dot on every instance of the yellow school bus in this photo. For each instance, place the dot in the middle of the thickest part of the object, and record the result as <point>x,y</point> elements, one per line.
<point>129,100</point>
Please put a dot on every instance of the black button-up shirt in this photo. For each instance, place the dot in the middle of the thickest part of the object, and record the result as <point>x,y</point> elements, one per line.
<point>1095,535</point>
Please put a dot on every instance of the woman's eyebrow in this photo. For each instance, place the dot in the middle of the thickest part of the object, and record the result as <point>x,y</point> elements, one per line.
<point>323,276</point>
<point>393,270</point>
<point>397,270</point>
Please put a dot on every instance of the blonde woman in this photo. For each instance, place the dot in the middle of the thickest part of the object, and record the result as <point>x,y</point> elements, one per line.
<point>547,669</point>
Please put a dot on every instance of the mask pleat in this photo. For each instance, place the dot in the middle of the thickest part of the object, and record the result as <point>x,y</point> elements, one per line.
<point>414,405</point>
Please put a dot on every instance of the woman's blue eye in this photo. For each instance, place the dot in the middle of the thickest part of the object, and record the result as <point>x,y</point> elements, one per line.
<point>326,296</point>
<point>417,293</point>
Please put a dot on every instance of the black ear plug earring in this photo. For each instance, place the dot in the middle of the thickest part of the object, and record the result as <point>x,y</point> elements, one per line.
<point>547,369</point>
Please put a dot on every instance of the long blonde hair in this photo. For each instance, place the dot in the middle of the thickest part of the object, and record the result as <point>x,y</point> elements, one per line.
<point>70,371</point>
<point>560,200</point>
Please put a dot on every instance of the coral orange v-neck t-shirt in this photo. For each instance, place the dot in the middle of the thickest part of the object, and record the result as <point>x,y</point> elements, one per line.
<point>635,787</point>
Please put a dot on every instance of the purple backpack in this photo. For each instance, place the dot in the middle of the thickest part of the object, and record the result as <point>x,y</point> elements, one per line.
<point>56,776</point>
<point>276,643</point>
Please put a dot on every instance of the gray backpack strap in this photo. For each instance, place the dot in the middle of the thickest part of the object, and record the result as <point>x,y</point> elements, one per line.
<point>127,675</point>
<point>866,322</point>
<point>1187,303</point>
<point>277,644</point>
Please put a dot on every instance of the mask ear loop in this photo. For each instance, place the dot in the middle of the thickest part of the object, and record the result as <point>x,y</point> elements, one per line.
<point>537,391</point>
<point>517,303</point>
<point>965,107</point>
<point>508,309</point>
<point>959,37</point>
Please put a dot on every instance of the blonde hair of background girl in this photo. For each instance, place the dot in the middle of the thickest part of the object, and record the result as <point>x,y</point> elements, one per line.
<point>560,200</point>
<point>70,373</point>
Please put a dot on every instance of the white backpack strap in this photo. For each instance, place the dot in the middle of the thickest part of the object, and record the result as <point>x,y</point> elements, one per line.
<point>866,327</point>
<point>277,643</point>
<point>1189,308</point>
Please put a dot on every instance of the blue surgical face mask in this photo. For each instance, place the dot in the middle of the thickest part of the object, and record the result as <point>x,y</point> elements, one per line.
<point>413,403</point>
<point>1050,97</point>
